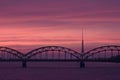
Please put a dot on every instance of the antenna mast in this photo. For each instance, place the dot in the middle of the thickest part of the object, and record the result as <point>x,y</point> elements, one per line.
<point>82,50</point>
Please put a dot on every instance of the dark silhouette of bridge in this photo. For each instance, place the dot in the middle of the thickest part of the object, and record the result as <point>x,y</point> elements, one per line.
<point>110,53</point>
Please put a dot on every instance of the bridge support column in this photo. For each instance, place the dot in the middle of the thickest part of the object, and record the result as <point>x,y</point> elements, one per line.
<point>24,64</point>
<point>82,64</point>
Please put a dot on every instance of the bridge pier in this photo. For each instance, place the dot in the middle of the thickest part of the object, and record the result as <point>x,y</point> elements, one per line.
<point>24,64</point>
<point>82,64</point>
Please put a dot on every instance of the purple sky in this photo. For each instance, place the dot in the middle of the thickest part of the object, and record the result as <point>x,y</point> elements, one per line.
<point>34,23</point>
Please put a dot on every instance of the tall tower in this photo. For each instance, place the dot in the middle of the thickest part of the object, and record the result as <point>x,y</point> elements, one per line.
<point>82,63</point>
<point>82,47</point>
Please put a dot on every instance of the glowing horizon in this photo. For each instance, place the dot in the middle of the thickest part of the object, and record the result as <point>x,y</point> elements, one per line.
<point>50,22</point>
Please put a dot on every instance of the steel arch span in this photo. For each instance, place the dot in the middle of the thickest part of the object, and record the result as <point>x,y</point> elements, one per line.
<point>53,53</point>
<point>9,54</point>
<point>104,53</point>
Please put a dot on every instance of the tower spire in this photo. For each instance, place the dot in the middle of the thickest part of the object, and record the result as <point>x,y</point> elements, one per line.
<point>82,63</point>
<point>82,50</point>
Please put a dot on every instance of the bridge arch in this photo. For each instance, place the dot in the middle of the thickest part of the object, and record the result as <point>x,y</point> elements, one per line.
<point>103,53</point>
<point>9,54</point>
<point>53,53</point>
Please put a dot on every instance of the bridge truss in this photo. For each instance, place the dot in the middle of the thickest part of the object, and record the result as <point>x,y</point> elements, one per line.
<point>110,53</point>
<point>8,54</point>
<point>52,53</point>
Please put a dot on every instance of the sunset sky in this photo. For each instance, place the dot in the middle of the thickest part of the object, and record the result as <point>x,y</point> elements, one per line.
<point>28,24</point>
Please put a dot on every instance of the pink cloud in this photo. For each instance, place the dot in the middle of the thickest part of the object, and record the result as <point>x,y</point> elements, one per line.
<point>59,22</point>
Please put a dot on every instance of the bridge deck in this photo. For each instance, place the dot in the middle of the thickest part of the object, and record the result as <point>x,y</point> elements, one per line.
<point>39,60</point>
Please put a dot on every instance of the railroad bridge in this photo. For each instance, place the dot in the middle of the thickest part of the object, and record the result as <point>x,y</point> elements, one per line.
<point>109,53</point>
